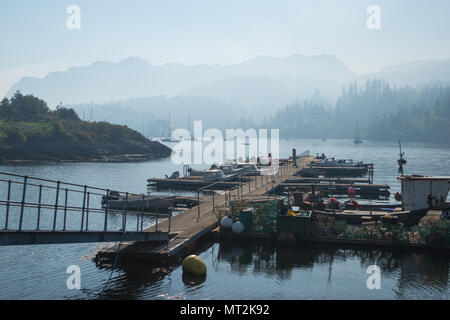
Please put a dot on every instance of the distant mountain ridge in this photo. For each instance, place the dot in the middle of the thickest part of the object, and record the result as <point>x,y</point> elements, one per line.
<point>260,84</point>
<point>135,77</point>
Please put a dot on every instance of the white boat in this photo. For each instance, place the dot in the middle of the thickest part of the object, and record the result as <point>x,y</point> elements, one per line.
<point>332,162</point>
<point>214,175</point>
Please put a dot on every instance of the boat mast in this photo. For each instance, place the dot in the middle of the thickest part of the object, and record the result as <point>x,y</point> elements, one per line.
<point>170,133</point>
<point>401,162</point>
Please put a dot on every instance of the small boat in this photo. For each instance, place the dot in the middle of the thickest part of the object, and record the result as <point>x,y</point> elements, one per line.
<point>230,168</point>
<point>214,175</point>
<point>117,201</point>
<point>332,162</point>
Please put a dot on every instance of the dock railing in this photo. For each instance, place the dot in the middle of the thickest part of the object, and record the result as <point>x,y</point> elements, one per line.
<point>264,180</point>
<point>38,204</point>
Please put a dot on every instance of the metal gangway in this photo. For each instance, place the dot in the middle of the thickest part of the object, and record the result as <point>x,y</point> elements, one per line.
<point>43,211</point>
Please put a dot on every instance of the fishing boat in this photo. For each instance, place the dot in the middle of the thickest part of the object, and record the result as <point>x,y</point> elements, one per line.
<point>332,162</point>
<point>230,168</point>
<point>214,175</point>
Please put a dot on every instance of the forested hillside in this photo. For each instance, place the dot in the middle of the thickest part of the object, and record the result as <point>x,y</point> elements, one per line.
<point>29,130</point>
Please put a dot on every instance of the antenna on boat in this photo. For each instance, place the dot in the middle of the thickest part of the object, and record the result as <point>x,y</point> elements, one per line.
<point>401,162</point>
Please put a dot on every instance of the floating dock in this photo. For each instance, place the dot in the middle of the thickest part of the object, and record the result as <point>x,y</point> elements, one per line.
<point>187,227</point>
<point>337,171</point>
<point>188,184</point>
<point>381,190</point>
<point>327,180</point>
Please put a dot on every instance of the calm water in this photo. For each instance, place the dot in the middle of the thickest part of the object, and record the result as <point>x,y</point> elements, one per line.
<point>234,272</point>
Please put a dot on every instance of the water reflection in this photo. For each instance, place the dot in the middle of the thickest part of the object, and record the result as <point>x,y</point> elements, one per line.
<point>416,270</point>
<point>304,271</point>
<point>130,282</point>
<point>192,280</point>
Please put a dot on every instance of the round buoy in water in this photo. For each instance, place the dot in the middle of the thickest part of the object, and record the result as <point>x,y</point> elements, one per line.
<point>194,265</point>
<point>226,222</point>
<point>238,227</point>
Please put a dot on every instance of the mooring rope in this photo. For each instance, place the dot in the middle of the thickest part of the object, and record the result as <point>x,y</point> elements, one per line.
<point>115,263</point>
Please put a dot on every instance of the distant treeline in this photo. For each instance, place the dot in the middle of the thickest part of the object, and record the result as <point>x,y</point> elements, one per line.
<point>382,113</point>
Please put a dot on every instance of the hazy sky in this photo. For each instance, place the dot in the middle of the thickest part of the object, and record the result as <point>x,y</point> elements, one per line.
<point>35,39</point>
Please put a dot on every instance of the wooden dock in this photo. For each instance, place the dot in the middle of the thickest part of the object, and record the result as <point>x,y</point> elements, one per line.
<point>340,171</point>
<point>189,184</point>
<point>190,225</point>
<point>381,190</point>
<point>327,180</point>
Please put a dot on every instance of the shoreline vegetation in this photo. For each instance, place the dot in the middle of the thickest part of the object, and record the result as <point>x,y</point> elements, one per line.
<point>30,133</point>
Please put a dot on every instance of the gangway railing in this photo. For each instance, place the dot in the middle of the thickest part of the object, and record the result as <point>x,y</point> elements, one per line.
<point>37,210</point>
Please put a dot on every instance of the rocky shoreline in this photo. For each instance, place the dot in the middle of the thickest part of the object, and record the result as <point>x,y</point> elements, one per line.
<point>103,159</point>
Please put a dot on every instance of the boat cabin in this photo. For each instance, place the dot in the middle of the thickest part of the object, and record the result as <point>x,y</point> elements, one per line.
<point>213,175</point>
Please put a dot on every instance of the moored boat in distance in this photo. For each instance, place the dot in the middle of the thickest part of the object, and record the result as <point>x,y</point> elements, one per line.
<point>357,139</point>
<point>332,162</point>
<point>214,175</point>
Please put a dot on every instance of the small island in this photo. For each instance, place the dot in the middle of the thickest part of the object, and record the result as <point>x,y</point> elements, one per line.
<point>30,131</point>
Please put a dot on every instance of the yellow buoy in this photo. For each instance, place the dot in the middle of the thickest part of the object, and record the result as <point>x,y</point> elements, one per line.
<point>194,265</point>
